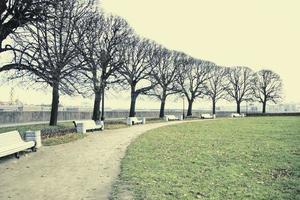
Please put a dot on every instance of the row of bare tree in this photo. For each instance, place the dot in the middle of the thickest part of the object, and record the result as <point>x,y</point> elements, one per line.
<point>72,47</point>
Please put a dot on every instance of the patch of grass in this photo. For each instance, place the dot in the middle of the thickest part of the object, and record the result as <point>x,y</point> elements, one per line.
<point>115,126</point>
<point>154,120</point>
<point>250,158</point>
<point>48,141</point>
<point>35,127</point>
<point>121,124</point>
<point>63,139</point>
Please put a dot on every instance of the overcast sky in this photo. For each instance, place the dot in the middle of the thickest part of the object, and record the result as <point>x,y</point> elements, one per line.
<point>261,34</point>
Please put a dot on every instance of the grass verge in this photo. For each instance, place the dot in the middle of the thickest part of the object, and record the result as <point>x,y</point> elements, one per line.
<point>69,137</point>
<point>48,141</point>
<point>35,127</point>
<point>63,139</point>
<point>250,158</point>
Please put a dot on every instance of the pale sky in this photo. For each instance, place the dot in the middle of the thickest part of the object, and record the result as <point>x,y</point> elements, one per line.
<point>260,34</point>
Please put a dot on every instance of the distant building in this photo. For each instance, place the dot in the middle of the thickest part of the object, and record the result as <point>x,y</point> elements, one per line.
<point>11,106</point>
<point>283,108</point>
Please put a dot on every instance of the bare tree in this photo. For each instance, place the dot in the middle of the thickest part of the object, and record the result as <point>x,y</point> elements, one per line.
<point>215,89</point>
<point>164,74</point>
<point>239,86</point>
<point>137,68</point>
<point>267,86</point>
<point>192,79</point>
<point>49,55</point>
<point>102,44</point>
<point>16,13</point>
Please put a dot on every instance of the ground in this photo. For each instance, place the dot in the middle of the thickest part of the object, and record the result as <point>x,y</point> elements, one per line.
<point>250,158</point>
<point>83,169</point>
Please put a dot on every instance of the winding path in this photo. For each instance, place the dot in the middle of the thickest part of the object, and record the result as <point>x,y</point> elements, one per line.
<point>84,169</point>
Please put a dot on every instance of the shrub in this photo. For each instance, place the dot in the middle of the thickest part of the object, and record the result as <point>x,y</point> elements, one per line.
<point>53,132</point>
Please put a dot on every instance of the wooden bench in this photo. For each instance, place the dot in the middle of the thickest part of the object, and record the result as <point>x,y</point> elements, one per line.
<point>87,125</point>
<point>237,115</point>
<point>171,118</point>
<point>134,120</point>
<point>207,116</point>
<point>12,143</point>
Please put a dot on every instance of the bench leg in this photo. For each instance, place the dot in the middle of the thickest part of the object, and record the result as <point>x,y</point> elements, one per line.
<point>34,149</point>
<point>17,155</point>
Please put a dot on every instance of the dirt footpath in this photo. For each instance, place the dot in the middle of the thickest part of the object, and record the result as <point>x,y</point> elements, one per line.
<point>84,169</point>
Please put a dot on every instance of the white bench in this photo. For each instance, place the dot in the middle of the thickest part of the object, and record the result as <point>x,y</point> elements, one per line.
<point>171,118</point>
<point>12,143</point>
<point>237,115</point>
<point>134,120</point>
<point>85,125</point>
<point>207,116</point>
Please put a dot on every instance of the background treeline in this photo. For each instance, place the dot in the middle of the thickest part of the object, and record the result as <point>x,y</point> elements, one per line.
<point>75,48</point>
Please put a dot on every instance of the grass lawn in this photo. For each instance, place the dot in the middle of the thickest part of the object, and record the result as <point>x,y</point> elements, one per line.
<point>250,158</point>
<point>72,137</point>
<point>63,139</point>
<point>35,127</point>
<point>49,141</point>
<point>121,124</point>
<point>69,137</point>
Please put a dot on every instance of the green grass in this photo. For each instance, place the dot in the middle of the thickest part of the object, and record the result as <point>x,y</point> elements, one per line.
<point>250,158</point>
<point>63,139</point>
<point>120,124</point>
<point>111,126</point>
<point>35,127</point>
<point>49,141</point>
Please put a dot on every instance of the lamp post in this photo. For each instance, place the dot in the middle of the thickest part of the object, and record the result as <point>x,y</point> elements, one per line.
<point>183,96</point>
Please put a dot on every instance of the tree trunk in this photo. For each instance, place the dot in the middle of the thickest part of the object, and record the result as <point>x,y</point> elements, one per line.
<point>190,108</point>
<point>133,102</point>
<point>162,107</point>
<point>213,107</point>
<point>264,107</point>
<point>238,107</point>
<point>132,107</point>
<point>97,101</point>
<point>54,105</point>
<point>102,106</point>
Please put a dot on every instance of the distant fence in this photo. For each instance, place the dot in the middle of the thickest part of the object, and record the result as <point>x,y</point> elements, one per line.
<point>273,114</point>
<point>28,116</point>
<point>41,116</point>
